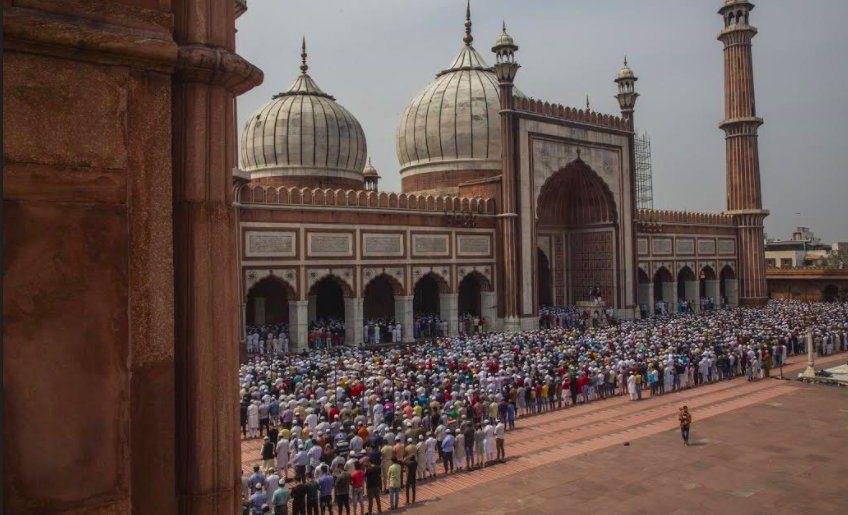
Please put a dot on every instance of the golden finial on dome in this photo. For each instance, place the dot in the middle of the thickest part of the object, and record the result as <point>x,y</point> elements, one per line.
<point>468,37</point>
<point>303,67</point>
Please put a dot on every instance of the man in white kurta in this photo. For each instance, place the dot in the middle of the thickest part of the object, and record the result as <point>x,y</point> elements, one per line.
<point>253,419</point>
<point>283,457</point>
<point>489,441</point>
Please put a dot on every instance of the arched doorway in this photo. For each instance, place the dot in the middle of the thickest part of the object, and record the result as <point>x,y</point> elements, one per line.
<point>379,299</point>
<point>469,296</point>
<point>686,286</point>
<point>425,300</point>
<point>577,201</point>
<point>329,298</point>
<point>545,280</point>
<point>661,277</point>
<point>830,293</point>
<point>474,314</point>
<point>427,307</point>
<point>708,287</point>
<point>268,303</point>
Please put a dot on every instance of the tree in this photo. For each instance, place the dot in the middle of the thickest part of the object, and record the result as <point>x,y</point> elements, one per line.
<point>837,259</point>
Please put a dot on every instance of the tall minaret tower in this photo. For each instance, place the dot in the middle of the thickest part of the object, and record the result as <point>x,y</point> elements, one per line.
<point>744,194</point>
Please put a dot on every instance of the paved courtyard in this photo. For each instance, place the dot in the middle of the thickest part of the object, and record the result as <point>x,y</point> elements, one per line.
<point>769,446</point>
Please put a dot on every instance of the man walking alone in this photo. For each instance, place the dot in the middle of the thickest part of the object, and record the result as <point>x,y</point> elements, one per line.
<point>685,419</point>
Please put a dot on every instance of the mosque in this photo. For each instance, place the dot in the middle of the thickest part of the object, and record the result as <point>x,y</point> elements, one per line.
<point>508,203</point>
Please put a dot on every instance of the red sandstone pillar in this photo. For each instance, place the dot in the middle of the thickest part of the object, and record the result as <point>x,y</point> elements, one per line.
<point>506,68</point>
<point>744,193</point>
<point>208,76</point>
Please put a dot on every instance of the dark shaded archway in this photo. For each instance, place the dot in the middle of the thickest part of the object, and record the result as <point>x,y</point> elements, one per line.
<point>379,298</point>
<point>469,295</point>
<point>686,275</point>
<point>268,302</point>
<point>425,300</point>
<point>329,299</point>
<point>830,293</point>
<point>577,201</point>
<point>575,197</point>
<point>545,280</point>
<point>661,276</point>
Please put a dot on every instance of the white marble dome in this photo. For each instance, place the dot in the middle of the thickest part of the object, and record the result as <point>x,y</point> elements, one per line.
<point>454,122</point>
<point>304,133</point>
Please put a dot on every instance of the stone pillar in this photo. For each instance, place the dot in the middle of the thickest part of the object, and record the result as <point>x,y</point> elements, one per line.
<point>353,320</point>
<point>244,322</point>
<point>448,307</point>
<point>298,325</point>
<point>313,308</point>
<point>692,289</point>
<point>669,296</point>
<point>259,310</point>
<point>207,76</point>
<point>731,290</point>
<point>646,297</point>
<point>404,315</point>
<point>489,308</point>
<point>713,291</point>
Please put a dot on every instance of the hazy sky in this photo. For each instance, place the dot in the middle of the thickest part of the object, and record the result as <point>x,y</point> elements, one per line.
<point>375,55</point>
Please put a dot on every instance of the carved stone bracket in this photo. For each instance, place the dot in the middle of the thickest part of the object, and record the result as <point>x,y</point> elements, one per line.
<point>198,63</point>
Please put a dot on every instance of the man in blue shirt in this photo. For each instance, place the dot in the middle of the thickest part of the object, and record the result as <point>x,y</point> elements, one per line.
<point>258,499</point>
<point>258,478</point>
<point>325,492</point>
<point>447,451</point>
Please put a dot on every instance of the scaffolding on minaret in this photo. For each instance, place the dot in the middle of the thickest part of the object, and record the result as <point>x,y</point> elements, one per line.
<point>644,172</point>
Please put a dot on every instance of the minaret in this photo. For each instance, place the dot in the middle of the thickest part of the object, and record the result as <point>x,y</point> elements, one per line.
<point>744,194</point>
<point>506,68</point>
<point>627,95</point>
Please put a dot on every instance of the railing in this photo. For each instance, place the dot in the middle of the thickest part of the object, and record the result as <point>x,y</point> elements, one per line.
<point>569,113</point>
<point>292,196</point>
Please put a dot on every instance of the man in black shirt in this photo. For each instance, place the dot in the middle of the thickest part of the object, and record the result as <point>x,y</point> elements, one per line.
<point>268,454</point>
<point>298,495</point>
<point>372,484</point>
<point>311,495</point>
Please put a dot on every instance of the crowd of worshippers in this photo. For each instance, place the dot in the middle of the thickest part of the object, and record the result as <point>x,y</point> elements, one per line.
<point>429,325</point>
<point>381,330</point>
<point>268,339</point>
<point>366,397</point>
<point>336,460</point>
<point>470,323</point>
<point>326,332</point>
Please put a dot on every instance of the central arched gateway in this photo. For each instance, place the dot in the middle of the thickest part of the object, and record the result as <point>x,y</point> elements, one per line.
<point>576,206</point>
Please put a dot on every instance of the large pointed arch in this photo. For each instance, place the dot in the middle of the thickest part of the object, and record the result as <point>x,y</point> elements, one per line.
<point>575,196</point>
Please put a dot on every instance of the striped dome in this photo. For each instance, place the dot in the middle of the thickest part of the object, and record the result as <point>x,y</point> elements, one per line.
<point>454,122</point>
<point>303,133</point>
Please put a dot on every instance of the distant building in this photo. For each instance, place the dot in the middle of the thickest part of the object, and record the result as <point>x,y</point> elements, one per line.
<point>799,268</point>
<point>803,249</point>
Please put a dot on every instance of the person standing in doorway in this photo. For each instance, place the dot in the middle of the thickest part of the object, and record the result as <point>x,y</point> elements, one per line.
<point>685,419</point>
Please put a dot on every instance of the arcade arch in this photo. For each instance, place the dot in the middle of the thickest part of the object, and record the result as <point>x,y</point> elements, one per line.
<point>268,302</point>
<point>327,299</point>
<point>379,297</point>
<point>578,202</point>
